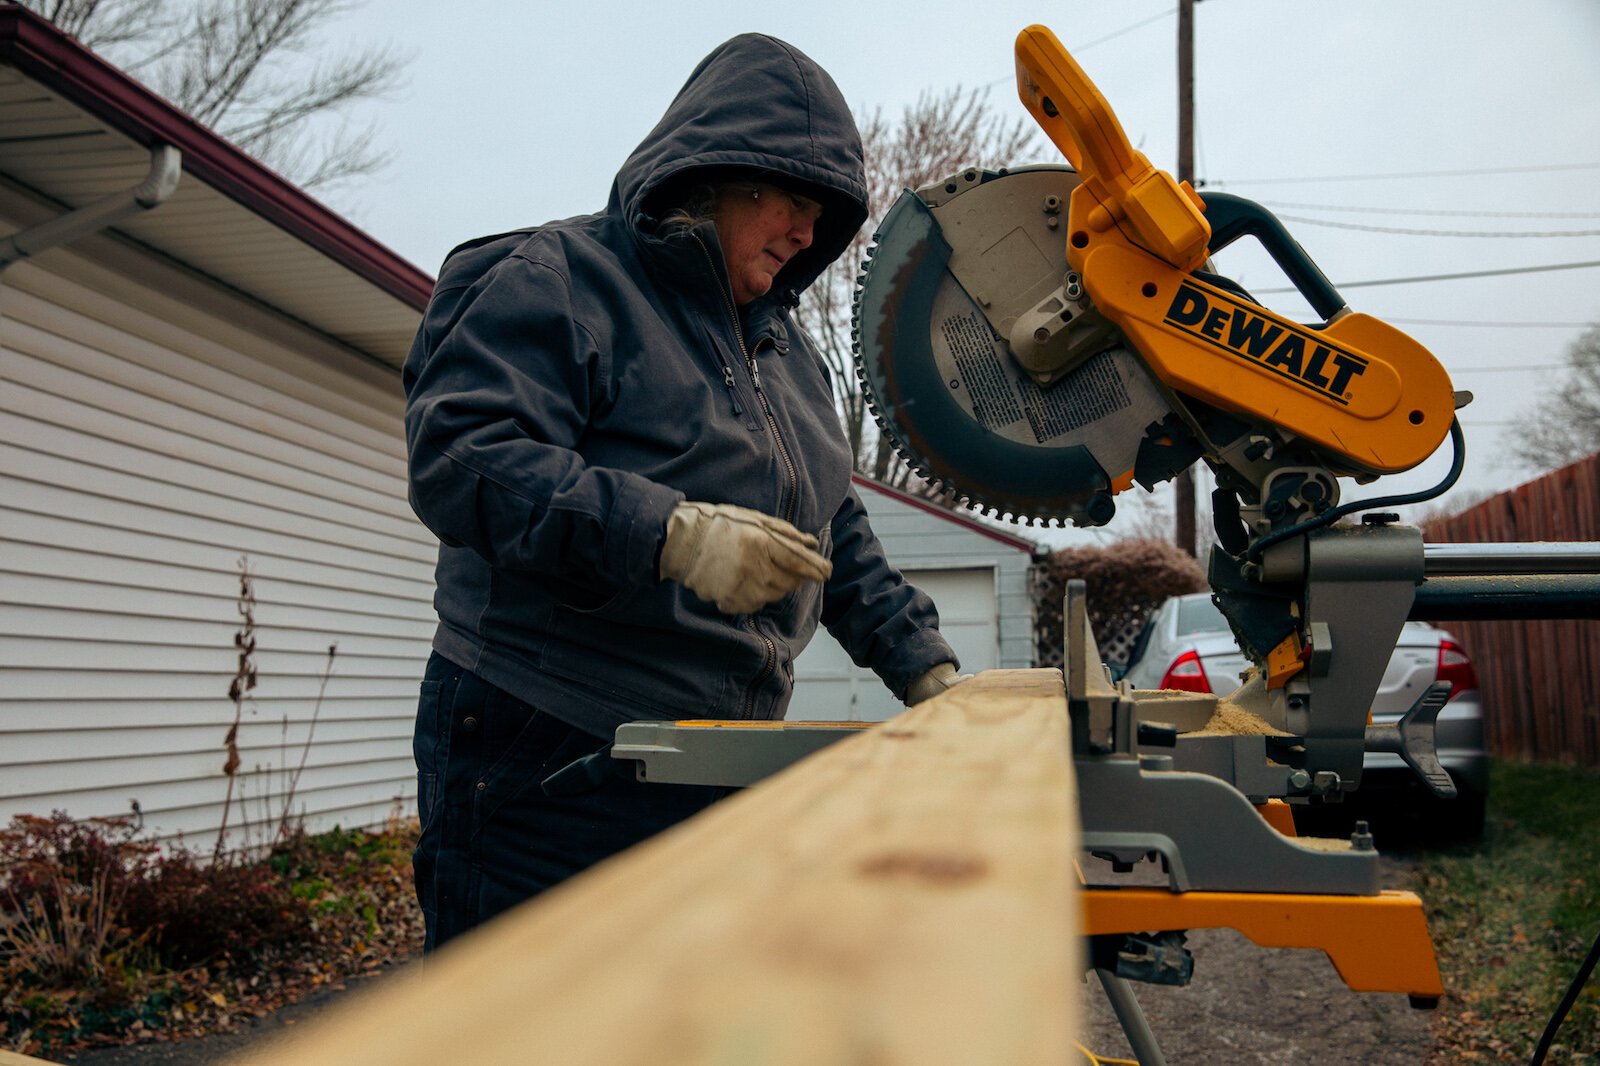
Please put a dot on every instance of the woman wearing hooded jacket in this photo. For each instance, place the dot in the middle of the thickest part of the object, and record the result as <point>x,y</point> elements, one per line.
<point>631,457</point>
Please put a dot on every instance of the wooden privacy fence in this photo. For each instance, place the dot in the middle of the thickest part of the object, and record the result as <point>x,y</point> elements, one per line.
<point>1540,680</point>
<point>907,895</point>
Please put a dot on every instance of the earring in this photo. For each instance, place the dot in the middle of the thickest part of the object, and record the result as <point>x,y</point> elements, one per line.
<point>755,194</point>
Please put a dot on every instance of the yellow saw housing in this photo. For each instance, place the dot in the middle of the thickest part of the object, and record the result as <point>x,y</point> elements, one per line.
<point>1366,394</point>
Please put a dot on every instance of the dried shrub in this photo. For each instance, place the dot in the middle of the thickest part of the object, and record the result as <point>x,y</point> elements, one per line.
<point>70,960</point>
<point>61,894</point>
<point>106,938</point>
<point>1126,581</point>
<point>197,912</point>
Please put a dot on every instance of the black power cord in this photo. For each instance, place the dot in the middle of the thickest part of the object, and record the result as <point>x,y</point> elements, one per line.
<point>1567,1001</point>
<point>1458,442</point>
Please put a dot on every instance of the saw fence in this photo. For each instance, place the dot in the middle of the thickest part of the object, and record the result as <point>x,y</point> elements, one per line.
<point>1540,679</point>
<point>906,895</point>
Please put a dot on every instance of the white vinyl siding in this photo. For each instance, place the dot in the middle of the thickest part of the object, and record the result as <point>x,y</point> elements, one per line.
<point>147,444</point>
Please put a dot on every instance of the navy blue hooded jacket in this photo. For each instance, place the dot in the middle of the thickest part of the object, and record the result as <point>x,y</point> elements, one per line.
<point>572,383</point>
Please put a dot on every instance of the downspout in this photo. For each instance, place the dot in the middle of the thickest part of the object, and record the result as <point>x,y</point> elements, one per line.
<point>166,167</point>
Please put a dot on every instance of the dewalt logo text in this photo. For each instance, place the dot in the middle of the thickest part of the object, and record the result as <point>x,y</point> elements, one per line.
<point>1223,322</point>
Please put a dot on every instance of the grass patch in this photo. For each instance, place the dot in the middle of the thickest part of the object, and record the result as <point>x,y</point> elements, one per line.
<point>1513,915</point>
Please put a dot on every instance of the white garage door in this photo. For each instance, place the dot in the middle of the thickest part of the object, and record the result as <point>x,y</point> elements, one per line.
<point>829,687</point>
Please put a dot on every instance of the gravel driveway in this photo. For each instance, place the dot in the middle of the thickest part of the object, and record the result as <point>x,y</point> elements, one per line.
<point>1249,1005</point>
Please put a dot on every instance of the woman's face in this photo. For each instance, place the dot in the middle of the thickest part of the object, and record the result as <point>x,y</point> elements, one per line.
<point>760,228</point>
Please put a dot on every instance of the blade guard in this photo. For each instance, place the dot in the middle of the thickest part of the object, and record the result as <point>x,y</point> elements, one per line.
<point>1368,396</point>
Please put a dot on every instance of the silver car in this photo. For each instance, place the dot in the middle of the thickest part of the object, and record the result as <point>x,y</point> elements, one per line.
<point>1187,645</point>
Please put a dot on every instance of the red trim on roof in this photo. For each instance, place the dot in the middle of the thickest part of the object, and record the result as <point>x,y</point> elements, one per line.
<point>943,512</point>
<point>38,49</point>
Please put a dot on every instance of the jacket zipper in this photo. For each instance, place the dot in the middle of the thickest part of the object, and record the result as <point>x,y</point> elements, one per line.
<point>792,474</point>
<point>770,664</point>
<point>783,448</point>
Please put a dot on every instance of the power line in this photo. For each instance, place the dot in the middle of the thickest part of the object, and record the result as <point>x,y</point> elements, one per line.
<point>1450,277</point>
<point>1438,232</point>
<point>1125,29</point>
<point>1079,48</point>
<point>1489,325</point>
<point>1504,369</point>
<point>1428,211</point>
<point>1408,174</point>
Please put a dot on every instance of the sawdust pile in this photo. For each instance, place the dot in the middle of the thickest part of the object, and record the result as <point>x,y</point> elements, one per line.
<point>1324,843</point>
<point>1231,720</point>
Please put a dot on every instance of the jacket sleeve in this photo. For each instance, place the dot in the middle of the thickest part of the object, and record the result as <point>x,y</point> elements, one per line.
<point>499,387</point>
<point>883,622</point>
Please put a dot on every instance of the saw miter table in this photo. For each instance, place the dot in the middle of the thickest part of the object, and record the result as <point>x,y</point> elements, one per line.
<point>1036,341</point>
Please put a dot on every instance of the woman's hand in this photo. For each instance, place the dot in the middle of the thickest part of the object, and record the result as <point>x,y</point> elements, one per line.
<point>739,559</point>
<point>935,682</point>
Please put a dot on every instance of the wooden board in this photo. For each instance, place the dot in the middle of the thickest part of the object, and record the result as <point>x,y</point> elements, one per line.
<point>904,896</point>
<point>11,1058</point>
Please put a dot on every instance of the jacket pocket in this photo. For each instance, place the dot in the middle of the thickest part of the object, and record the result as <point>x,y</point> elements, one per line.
<point>528,746</point>
<point>647,654</point>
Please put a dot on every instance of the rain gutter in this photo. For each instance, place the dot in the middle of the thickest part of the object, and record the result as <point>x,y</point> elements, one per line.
<point>166,167</point>
<point>37,49</point>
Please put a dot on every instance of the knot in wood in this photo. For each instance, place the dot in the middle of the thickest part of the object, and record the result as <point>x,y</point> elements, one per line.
<point>928,867</point>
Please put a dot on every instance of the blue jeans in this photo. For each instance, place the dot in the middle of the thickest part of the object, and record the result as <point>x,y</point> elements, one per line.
<point>491,837</point>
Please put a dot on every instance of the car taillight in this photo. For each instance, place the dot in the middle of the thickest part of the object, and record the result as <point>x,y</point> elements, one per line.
<point>1187,675</point>
<point>1456,668</point>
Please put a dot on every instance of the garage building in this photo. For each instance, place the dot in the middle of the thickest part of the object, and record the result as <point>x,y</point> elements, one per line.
<point>976,574</point>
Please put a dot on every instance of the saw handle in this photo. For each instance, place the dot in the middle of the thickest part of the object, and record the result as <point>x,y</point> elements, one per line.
<point>1160,214</point>
<point>1232,217</point>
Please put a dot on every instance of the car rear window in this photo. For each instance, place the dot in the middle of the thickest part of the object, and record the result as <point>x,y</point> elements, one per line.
<point>1200,615</point>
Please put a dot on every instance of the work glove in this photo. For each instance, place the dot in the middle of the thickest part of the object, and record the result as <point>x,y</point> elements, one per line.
<point>739,559</point>
<point>940,679</point>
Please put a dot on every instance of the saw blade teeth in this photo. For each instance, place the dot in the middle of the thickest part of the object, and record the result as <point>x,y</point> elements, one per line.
<point>871,374</point>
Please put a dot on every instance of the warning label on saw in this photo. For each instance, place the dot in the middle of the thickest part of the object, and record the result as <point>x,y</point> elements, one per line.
<point>972,343</point>
<point>1096,391</point>
<point>1000,396</point>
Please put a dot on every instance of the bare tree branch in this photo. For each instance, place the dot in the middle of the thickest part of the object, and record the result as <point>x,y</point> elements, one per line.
<point>239,66</point>
<point>939,135</point>
<point>104,24</point>
<point>1565,426</point>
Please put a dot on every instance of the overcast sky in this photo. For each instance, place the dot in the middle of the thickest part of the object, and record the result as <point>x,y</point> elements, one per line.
<point>1463,116</point>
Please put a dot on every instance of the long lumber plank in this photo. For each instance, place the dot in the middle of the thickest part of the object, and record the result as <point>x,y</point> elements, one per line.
<point>903,896</point>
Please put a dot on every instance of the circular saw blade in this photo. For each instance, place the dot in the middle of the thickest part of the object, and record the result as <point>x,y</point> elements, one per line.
<point>938,374</point>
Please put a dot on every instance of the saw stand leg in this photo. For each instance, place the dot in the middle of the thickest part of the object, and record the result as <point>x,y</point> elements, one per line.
<point>1135,1026</point>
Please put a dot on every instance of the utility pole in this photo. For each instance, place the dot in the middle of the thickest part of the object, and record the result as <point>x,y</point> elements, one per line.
<point>1183,487</point>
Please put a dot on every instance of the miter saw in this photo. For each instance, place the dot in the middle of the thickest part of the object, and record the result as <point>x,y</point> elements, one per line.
<point>1035,341</point>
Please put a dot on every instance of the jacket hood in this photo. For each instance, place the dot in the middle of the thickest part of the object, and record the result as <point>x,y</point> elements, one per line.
<point>755,106</point>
